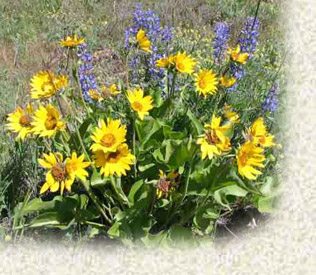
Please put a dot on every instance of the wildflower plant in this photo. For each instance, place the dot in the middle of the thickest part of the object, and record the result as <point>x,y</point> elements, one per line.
<point>164,152</point>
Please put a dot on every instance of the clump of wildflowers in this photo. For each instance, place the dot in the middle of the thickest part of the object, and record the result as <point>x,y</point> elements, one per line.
<point>271,101</point>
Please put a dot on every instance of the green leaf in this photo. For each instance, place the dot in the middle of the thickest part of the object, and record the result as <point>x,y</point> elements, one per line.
<point>114,230</point>
<point>196,123</point>
<point>143,168</point>
<point>270,191</point>
<point>154,240</point>
<point>234,190</point>
<point>38,205</point>
<point>45,219</point>
<point>97,180</point>
<point>136,186</point>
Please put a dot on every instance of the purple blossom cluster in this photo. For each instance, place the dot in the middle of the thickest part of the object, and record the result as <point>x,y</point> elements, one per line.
<point>271,101</point>
<point>238,72</point>
<point>248,38</point>
<point>86,77</point>
<point>220,40</point>
<point>151,24</point>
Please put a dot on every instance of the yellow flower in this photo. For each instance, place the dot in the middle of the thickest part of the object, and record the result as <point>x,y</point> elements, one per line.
<point>231,115</point>
<point>72,42</point>
<point>166,183</point>
<point>58,176</point>
<point>235,55</point>
<point>143,41</point>
<point>107,137</point>
<point>47,121</point>
<point>248,157</point>
<point>95,95</point>
<point>117,162</point>
<point>184,63</point>
<point>139,103</point>
<point>45,84</point>
<point>76,166</point>
<point>20,120</point>
<point>227,81</point>
<point>259,135</point>
<point>164,62</point>
<point>112,90</point>
<point>214,141</point>
<point>205,82</point>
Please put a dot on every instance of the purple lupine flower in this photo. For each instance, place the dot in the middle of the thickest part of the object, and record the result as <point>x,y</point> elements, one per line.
<point>271,101</point>
<point>248,38</point>
<point>238,72</point>
<point>220,40</point>
<point>86,77</point>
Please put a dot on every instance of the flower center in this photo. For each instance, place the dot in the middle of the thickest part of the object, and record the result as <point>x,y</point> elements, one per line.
<point>108,140</point>
<point>212,138</point>
<point>50,122</point>
<point>25,121</point>
<point>262,139</point>
<point>202,84</point>
<point>113,157</point>
<point>47,86</point>
<point>59,173</point>
<point>137,106</point>
<point>243,159</point>
<point>180,66</point>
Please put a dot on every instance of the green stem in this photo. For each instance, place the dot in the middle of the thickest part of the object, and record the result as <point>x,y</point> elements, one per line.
<point>119,193</point>
<point>134,145</point>
<point>95,200</point>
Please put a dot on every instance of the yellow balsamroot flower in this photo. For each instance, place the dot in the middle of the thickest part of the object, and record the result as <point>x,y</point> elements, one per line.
<point>114,163</point>
<point>76,166</point>
<point>45,84</point>
<point>184,63</point>
<point>205,82</point>
<point>235,55</point>
<point>166,183</point>
<point>107,137</point>
<point>214,141</point>
<point>71,42</point>
<point>95,95</point>
<point>164,62</point>
<point>47,121</point>
<point>226,81</point>
<point>230,114</point>
<point>61,174</point>
<point>20,120</point>
<point>110,91</point>
<point>259,135</point>
<point>139,103</point>
<point>143,41</point>
<point>57,176</point>
<point>248,157</point>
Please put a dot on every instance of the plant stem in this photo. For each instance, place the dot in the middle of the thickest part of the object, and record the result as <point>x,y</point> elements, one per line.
<point>134,145</point>
<point>95,200</point>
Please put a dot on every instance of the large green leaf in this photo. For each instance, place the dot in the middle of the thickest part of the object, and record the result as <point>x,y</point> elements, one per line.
<point>136,186</point>
<point>46,219</point>
<point>234,190</point>
<point>198,127</point>
<point>267,202</point>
